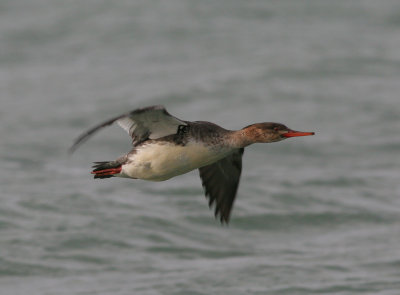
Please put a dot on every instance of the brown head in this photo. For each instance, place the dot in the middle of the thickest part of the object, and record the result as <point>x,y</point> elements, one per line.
<point>268,132</point>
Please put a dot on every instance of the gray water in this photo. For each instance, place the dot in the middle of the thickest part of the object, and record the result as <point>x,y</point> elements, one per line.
<point>314,215</point>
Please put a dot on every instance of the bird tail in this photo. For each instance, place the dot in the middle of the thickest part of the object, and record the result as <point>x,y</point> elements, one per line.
<point>106,169</point>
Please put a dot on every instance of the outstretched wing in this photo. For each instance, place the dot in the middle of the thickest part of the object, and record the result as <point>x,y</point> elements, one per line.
<point>221,181</point>
<point>141,124</point>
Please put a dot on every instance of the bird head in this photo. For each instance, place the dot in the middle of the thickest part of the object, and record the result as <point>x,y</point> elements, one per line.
<point>271,132</point>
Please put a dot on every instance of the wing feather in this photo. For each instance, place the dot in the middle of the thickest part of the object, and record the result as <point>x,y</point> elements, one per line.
<point>141,124</point>
<point>221,181</point>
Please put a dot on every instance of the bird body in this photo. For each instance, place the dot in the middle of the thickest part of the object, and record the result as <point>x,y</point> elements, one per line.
<point>161,160</point>
<point>165,146</point>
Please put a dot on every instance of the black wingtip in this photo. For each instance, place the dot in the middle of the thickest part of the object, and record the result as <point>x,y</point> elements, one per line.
<point>224,222</point>
<point>224,219</point>
<point>71,150</point>
<point>86,135</point>
<point>78,141</point>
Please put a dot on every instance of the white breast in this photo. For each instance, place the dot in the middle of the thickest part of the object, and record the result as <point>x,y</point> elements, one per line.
<point>161,161</point>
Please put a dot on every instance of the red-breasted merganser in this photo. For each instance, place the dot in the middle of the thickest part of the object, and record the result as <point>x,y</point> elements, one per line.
<point>165,146</point>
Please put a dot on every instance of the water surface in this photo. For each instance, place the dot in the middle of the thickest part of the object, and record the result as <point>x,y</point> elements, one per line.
<point>315,215</point>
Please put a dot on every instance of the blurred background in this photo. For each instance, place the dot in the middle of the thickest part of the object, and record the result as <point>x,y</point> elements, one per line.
<point>313,215</point>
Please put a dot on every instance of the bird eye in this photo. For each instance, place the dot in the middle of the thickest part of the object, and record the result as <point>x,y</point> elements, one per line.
<point>276,129</point>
